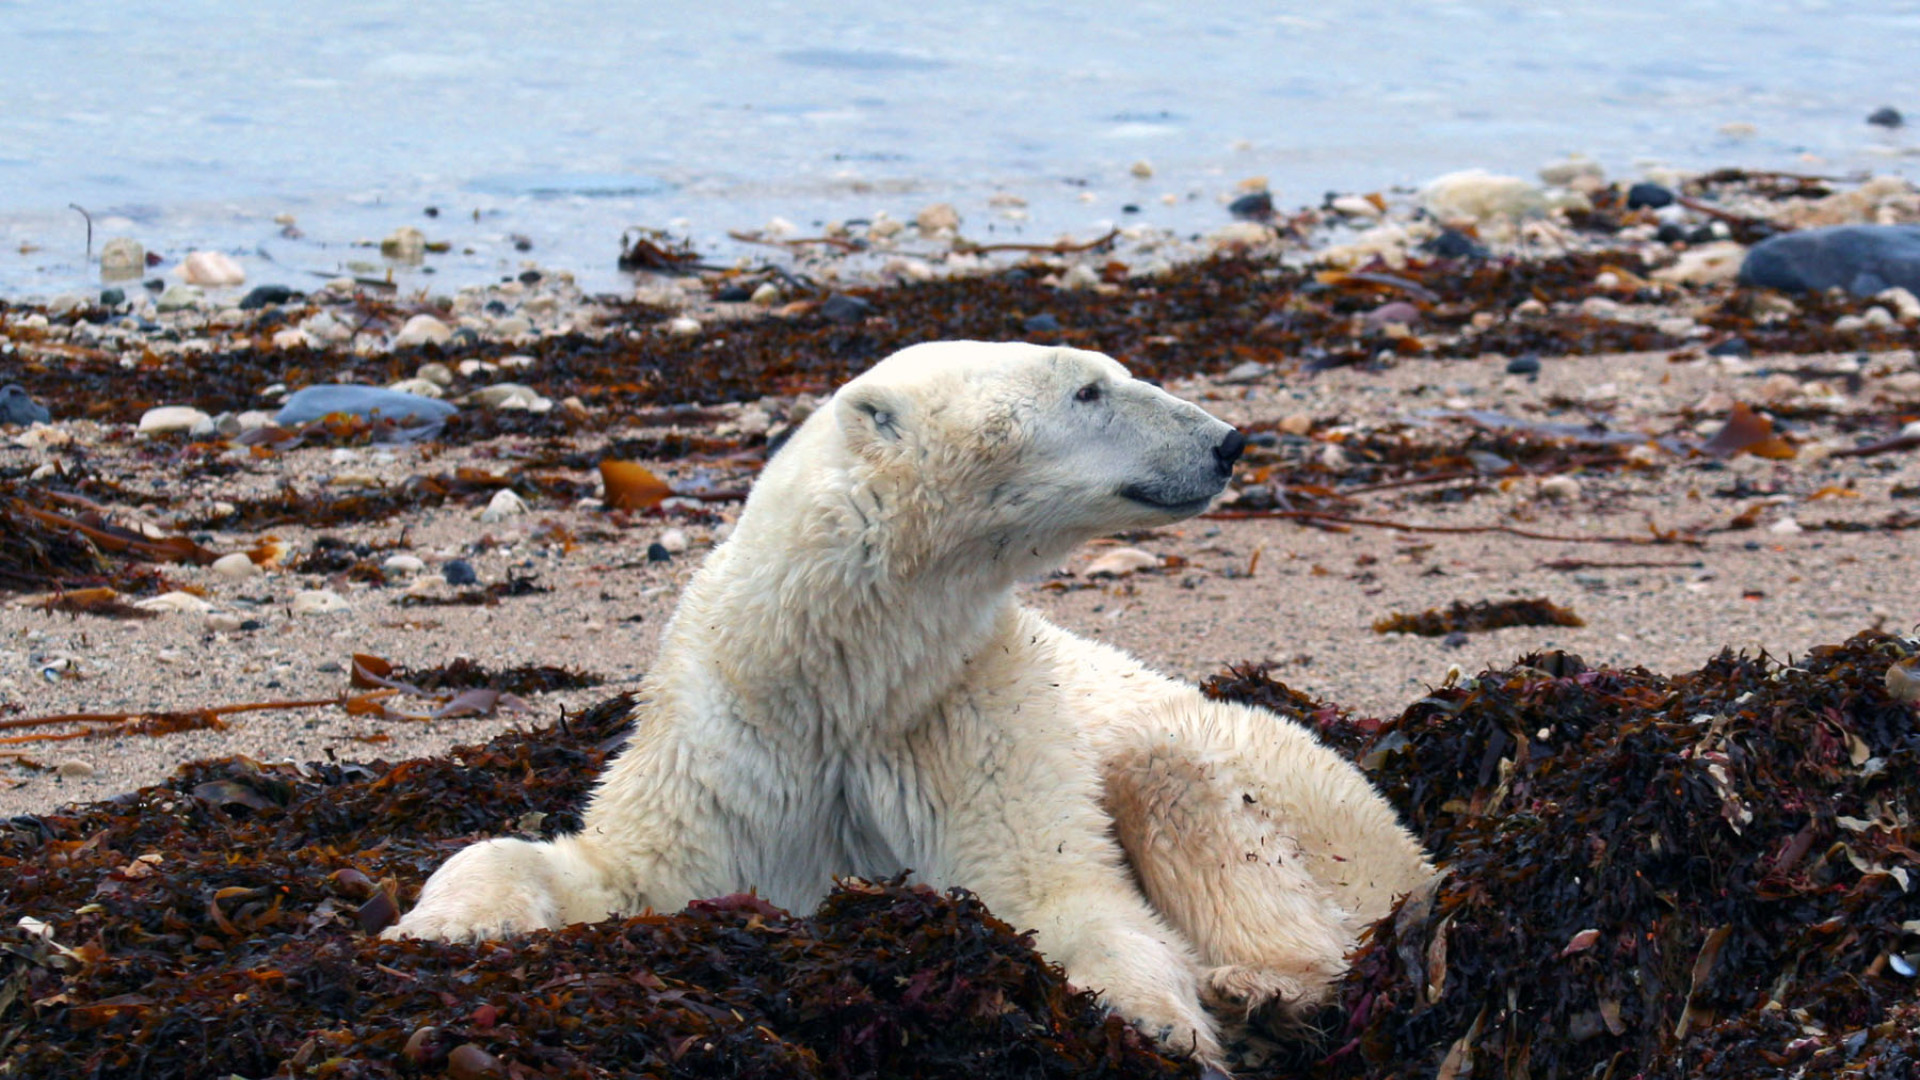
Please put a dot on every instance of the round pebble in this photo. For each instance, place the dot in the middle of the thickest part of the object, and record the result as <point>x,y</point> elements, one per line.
<point>236,566</point>
<point>459,572</point>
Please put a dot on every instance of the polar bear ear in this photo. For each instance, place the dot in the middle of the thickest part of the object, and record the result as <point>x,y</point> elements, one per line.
<point>872,418</point>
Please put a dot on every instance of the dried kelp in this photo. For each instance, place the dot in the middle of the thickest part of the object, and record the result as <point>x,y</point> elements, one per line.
<point>1462,617</point>
<point>219,925</point>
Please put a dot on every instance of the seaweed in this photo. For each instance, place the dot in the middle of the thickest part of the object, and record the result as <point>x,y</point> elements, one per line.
<point>1462,617</point>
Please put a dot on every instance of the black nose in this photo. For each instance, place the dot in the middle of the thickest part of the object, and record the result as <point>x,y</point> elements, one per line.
<point>1228,452</point>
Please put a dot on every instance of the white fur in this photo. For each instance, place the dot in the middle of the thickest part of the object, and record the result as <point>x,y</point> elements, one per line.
<point>849,688</point>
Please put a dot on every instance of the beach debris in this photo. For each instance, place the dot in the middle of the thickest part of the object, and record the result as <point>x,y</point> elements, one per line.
<point>406,245</point>
<point>122,259</point>
<point>629,485</point>
<point>213,269</point>
<point>1121,562</point>
<point>504,504</point>
<point>1479,616</point>
<point>1747,432</point>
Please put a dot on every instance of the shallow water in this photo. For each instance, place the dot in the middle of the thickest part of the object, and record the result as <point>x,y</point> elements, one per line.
<point>193,123</point>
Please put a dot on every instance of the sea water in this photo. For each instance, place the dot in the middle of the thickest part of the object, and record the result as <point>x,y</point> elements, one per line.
<point>540,130</point>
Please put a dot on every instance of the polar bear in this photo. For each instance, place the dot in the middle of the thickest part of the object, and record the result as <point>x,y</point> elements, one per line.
<point>849,688</point>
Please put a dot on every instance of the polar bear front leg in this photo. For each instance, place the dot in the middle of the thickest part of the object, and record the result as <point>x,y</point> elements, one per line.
<point>499,888</point>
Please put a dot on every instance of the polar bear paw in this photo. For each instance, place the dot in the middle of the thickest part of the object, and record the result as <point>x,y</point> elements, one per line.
<point>1247,991</point>
<point>487,892</point>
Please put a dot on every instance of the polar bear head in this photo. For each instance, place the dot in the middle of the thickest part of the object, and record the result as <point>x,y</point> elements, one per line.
<point>1009,453</point>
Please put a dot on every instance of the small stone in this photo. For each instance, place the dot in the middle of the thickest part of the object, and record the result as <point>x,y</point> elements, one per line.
<point>73,769</point>
<point>436,373</point>
<point>1044,323</point>
<point>178,298</point>
<point>403,564</point>
<point>657,552</point>
<point>219,622</point>
<point>675,541</point>
<point>1298,424</point>
<point>1647,195</point>
<point>262,296</point>
<point>422,329</point>
<point>1577,172</point>
<point>405,245</point>
<point>1393,311</point>
<point>372,402</point>
<point>1705,264</point>
<point>503,505</point>
<point>174,602</point>
<point>1354,206</point>
<point>1455,640</point>
<point>18,407</point>
<point>1560,489</point>
<point>112,298</point>
<point>1454,244</point>
<point>1886,116</point>
<point>938,218</point>
<point>1142,170</point>
<point>1246,371</point>
<point>1528,364</point>
<point>509,396</point>
<point>1255,206</point>
<point>1478,195</point>
<point>426,388</point>
<point>683,326</point>
<point>171,419</point>
<point>319,602</point>
<point>841,308</point>
<point>1122,561</point>
<point>1785,527</point>
<point>236,567</point>
<point>1904,304</point>
<point>458,572</point>
<point>766,295</point>
<point>122,259</point>
<point>1241,237</point>
<point>214,269</point>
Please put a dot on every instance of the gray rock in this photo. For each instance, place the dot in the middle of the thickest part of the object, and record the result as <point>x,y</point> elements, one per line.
<point>842,308</point>
<point>372,402</point>
<point>16,407</point>
<point>1862,259</point>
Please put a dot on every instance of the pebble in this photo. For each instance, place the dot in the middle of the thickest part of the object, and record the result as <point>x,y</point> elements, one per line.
<point>220,622</point>
<point>1255,206</point>
<point>1354,206</point>
<point>261,296</point>
<point>315,402</point>
<point>1785,527</point>
<point>436,373</point>
<point>216,269</point>
<point>503,505</point>
<point>1478,195</point>
<point>426,388</point>
<point>1241,236</point>
<point>403,564</point>
<point>1142,170</point>
<point>841,308</point>
<point>1044,323</point>
<point>458,572</point>
<point>657,552</point>
<point>767,295</point>
<point>422,329</point>
<point>675,541</point>
<point>73,769</point>
<point>319,602</point>
<point>1298,424</point>
<point>1560,489</point>
<point>172,419</point>
<point>405,244</point>
<point>1902,301</point>
<point>122,259</point>
<point>1454,244</point>
<point>18,407</point>
<point>1576,171</point>
<point>1528,364</point>
<point>1886,116</point>
<point>1733,346</point>
<point>509,396</point>
<point>178,298</point>
<point>1704,264</point>
<point>1862,259</point>
<point>1393,311</point>
<point>1648,196</point>
<point>685,326</point>
<point>236,567</point>
<point>112,298</point>
<point>1121,561</point>
<point>1246,371</point>
<point>940,217</point>
<point>176,601</point>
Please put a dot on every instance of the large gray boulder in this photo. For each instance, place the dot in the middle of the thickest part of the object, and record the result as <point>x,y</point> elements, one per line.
<point>1862,259</point>
<point>372,402</point>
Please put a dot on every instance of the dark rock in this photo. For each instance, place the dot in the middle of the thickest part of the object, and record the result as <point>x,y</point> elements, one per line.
<point>459,572</point>
<point>112,298</point>
<point>465,337</point>
<point>154,285</point>
<point>1733,346</point>
<point>1703,234</point>
<point>1264,438</point>
<point>1886,116</point>
<point>1393,311</point>
<point>1130,208</point>
<point>1044,323</point>
<point>1454,244</point>
<point>252,624</point>
<point>842,308</point>
<point>495,307</point>
<point>530,277</point>
<point>1670,233</point>
<point>373,402</point>
<point>734,294</point>
<point>1862,259</point>
<point>431,211</point>
<point>657,552</point>
<point>1255,207</point>
<point>1649,196</point>
<point>1529,364</point>
<point>1456,640</point>
<point>16,407</point>
<point>266,296</point>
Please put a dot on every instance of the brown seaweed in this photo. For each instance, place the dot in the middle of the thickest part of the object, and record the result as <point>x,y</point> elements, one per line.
<point>1462,617</point>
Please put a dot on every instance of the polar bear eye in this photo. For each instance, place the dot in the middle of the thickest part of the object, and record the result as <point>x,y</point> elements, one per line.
<point>1089,392</point>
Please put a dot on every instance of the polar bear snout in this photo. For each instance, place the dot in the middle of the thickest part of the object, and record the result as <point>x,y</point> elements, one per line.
<point>1228,452</point>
